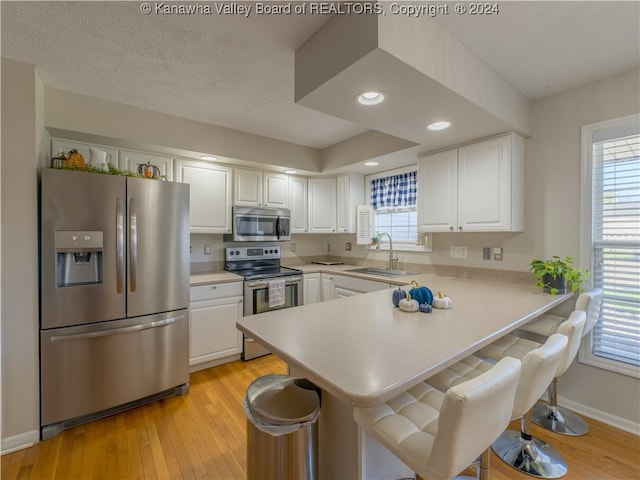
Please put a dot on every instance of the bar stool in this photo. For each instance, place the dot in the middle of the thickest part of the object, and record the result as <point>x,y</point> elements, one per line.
<point>520,449</point>
<point>548,414</point>
<point>440,434</point>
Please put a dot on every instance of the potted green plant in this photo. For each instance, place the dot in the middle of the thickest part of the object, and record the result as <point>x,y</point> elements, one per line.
<point>555,274</point>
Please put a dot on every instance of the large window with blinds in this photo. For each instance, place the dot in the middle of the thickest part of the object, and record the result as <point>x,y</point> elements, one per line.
<point>612,161</point>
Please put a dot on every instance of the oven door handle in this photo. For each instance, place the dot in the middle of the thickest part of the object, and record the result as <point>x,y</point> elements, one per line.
<point>261,284</point>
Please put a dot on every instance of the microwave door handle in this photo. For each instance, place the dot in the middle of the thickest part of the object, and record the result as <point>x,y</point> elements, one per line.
<point>278,227</point>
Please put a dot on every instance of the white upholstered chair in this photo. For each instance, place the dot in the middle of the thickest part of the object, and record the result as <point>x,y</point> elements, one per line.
<point>437,434</point>
<point>539,363</point>
<point>548,414</point>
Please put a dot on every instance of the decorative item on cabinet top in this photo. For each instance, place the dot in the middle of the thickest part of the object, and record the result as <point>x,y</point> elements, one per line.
<point>75,161</point>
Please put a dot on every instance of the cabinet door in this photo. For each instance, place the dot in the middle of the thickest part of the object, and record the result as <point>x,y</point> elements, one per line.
<point>438,195</point>
<point>210,195</point>
<point>350,193</point>
<point>247,187</point>
<point>213,333</point>
<point>312,289</point>
<point>298,204</point>
<point>484,188</point>
<point>131,161</point>
<point>342,292</point>
<point>64,146</point>
<point>276,190</point>
<point>328,288</point>
<point>322,205</point>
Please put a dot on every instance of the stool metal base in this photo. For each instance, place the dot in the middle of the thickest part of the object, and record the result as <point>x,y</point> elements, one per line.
<point>558,420</point>
<point>533,457</point>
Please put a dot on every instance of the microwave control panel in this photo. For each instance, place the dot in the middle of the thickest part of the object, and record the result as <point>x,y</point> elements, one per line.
<point>252,253</point>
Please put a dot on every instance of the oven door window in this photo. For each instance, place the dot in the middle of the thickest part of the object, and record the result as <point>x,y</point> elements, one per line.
<point>261,299</point>
<point>250,226</point>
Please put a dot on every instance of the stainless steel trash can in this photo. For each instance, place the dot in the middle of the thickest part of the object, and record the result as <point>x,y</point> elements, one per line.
<point>282,428</point>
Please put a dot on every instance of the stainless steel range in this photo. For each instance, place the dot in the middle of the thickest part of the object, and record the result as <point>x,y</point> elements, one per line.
<point>268,286</point>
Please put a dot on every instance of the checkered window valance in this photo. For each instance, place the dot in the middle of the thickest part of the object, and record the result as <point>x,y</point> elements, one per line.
<point>395,191</point>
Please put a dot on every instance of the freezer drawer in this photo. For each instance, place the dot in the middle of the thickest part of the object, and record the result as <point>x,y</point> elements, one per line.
<point>91,368</point>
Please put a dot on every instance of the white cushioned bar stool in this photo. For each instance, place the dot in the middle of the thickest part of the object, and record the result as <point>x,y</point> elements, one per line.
<point>511,449</point>
<point>548,414</point>
<point>438,434</point>
<point>520,449</point>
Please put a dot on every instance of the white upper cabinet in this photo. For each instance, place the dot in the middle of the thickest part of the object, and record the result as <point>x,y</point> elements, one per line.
<point>209,194</point>
<point>350,194</point>
<point>322,205</point>
<point>65,146</point>
<point>247,187</point>
<point>298,204</point>
<point>475,188</point>
<point>254,188</point>
<point>275,189</point>
<point>132,160</point>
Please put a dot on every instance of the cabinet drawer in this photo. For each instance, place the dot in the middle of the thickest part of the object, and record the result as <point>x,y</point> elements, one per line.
<point>215,291</point>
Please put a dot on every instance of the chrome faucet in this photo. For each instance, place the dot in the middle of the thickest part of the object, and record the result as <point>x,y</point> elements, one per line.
<point>392,260</point>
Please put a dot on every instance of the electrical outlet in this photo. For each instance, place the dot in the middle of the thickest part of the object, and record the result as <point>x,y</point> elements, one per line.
<point>497,254</point>
<point>207,249</point>
<point>458,252</point>
<point>347,246</point>
<point>293,247</point>
<point>486,253</point>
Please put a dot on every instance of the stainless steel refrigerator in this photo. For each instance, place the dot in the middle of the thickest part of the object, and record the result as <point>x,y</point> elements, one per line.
<point>114,286</point>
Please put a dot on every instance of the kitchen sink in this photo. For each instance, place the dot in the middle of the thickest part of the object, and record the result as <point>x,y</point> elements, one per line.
<point>381,272</point>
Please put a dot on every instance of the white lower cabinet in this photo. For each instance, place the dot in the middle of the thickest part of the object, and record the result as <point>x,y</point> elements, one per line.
<point>339,286</point>
<point>327,287</point>
<point>213,313</point>
<point>312,289</point>
<point>348,286</point>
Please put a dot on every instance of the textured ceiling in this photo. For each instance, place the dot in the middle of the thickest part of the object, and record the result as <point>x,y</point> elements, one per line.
<point>238,72</point>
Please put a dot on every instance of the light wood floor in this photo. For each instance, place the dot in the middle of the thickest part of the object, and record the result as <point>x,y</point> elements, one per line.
<point>202,436</point>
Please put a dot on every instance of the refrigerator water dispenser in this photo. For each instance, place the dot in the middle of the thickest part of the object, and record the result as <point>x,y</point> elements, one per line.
<point>78,258</point>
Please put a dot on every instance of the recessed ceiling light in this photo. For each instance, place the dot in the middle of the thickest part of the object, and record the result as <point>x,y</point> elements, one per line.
<point>438,126</point>
<point>370,98</point>
<point>371,164</point>
<point>211,158</point>
<point>291,172</point>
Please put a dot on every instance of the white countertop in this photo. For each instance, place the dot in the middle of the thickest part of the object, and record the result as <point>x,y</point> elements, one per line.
<point>206,278</point>
<point>364,351</point>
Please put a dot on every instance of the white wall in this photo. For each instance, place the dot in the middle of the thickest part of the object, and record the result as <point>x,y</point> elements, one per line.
<point>553,158</point>
<point>21,134</point>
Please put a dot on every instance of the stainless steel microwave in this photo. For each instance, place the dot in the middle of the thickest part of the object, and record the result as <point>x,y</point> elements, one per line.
<point>254,224</point>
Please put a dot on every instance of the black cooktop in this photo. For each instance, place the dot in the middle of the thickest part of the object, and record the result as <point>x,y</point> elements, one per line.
<point>258,274</point>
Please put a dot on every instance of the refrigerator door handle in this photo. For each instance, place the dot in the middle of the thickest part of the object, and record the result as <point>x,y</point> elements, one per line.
<point>119,246</point>
<point>133,245</point>
<point>115,331</point>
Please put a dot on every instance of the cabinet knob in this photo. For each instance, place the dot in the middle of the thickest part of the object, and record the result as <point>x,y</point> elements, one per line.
<point>451,228</point>
<point>214,287</point>
<point>460,228</point>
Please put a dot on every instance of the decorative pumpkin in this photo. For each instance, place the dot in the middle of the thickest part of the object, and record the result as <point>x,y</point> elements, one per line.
<point>398,295</point>
<point>442,301</point>
<point>421,294</point>
<point>74,159</point>
<point>425,308</point>
<point>408,305</point>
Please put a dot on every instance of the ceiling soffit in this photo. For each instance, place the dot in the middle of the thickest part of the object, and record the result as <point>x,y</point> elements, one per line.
<point>424,72</point>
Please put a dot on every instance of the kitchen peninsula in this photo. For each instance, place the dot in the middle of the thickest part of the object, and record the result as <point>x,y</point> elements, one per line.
<point>362,351</point>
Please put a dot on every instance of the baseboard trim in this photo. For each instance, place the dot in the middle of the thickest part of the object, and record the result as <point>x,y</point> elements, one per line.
<point>20,441</point>
<point>604,417</point>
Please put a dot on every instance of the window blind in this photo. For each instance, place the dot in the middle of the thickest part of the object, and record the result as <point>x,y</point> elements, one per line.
<point>616,242</point>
